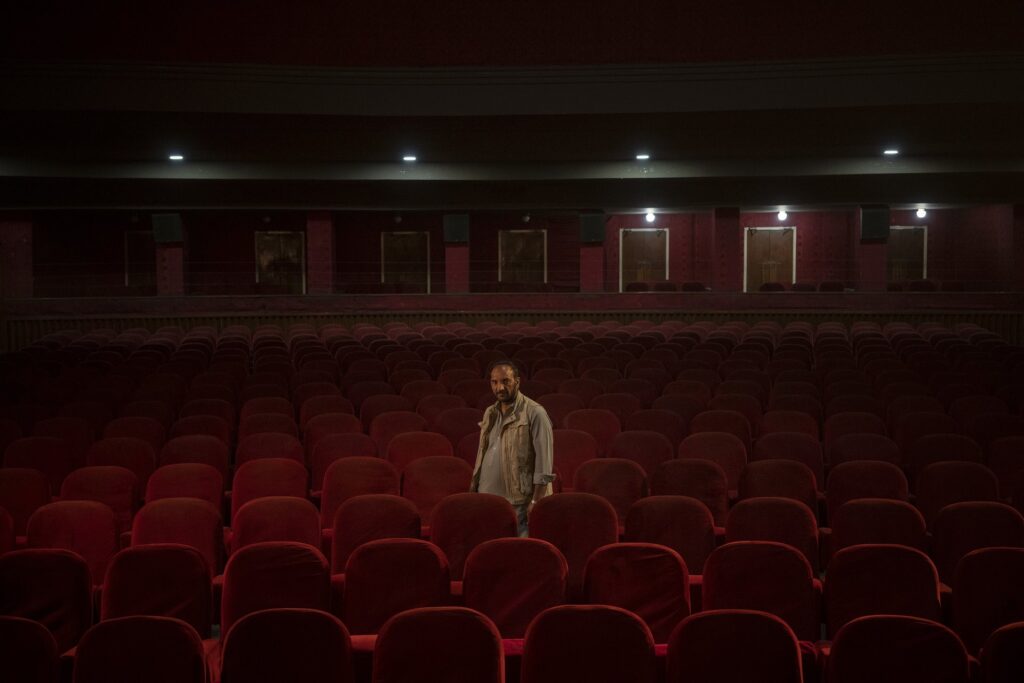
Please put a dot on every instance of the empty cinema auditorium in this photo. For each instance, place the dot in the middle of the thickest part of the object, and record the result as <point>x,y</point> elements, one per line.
<point>759,265</point>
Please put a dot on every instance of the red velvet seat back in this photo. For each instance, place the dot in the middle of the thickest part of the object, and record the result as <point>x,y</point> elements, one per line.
<point>775,519</point>
<point>85,527</point>
<point>987,593</point>
<point>406,447</point>
<point>169,580</point>
<point>202,424</point>
<point>864,479</point>
<point>50,586</point>
<point>681,523</point>
<point>287,644</point>
<point>47,454</point>
<point>649,580</point>
<point>880,579</point>
<point>376,405</point>
<point>701,479</point>
<point>438,644</point>
<point>779,478</point>
<point>877,520</point>
<point>427,481</point>
<point>456,423</point>
<point>273,574</point>
<point>140,648</point>
<point>960,528</point>
<point>601,424</point>
<point>462,521</point>
<point>28,653</point>
<point>197,448</point>
<point>388,576</point>
<point>188,521</point>
<point>148,429</point>
<point>577,524</point>
<point>135,455</point>
<point>767,576</point>
<point>1002,658</point>
<point>370,517</point>
<point>354,476</point>
<point>269,445</point>
<point>111,485</point>
<point>943,483</point>
<point>572,448</point>
<point>733,645</point>
<point>268,477</point>
<point>620,481</point>
<point>594,643</point>
<point>512,580</point>
<point>897,649</point>
<point>23,490</point>
<point>722,448</point>
<point>276,518</point>
<point>646,448</point>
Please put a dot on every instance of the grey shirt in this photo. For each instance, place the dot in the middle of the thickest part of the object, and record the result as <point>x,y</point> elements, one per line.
<point>491,478</point>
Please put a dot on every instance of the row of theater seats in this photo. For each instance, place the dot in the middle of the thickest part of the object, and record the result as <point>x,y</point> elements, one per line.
<point>597,644</point>
<point>514,584</point>
<point>831,352</point>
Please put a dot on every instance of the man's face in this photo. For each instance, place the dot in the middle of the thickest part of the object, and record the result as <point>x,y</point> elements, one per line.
<point>504,384</point>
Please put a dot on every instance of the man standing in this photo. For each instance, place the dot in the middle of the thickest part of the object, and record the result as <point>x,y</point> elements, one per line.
<point>515,456</point>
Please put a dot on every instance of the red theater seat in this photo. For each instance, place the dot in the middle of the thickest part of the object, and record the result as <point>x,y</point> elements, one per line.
<point>701,479</point>
<point>166,580</point>
<point>572,448</point>
<point>577,524</point>
<point>722,448</point>
<point>594,643</point>
<point>512,580</point>
<point>287,644</point>
<point>1003,654</point>
<point>782,478</point>
<point>733,645</point>
<point>681,523</point>
<point>267,423</point>
<point>408,447</point>
<point>116,487</point>
<point>268,477</point>
<point>879,579</point>
<point>427,481</point>
<point>51,587</point>
<point>864,479</point>
<point>897,649</point>
<point>197,448</point>
<point>775,519</point>
<point>370,517</point>
<point>47,454</point>
<point>960,528</point>
<point>649,580</point>
<point>877,520</point>
<point>944,483</point>
<point>85,527</point>
<point>22,491</point>
<point>389,576</point>
<point>275,518</point>
<point>620,481</point>
<point>140,648</point>
<point>186,480</point>
<point>274,574</point>
<point>646,448</point>
<point>28,653</point>
<point>438,644</point>
<point>462,521</point>
<point>186,521</point>
<point>987,593</point>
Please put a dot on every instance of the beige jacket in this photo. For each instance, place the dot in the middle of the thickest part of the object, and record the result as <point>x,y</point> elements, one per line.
<point>527,449</point>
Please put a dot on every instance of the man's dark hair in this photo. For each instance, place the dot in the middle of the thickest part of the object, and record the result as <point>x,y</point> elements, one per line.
<point>504,363</point>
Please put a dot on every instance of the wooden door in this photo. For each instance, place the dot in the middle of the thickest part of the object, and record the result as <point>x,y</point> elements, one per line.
<point>523,256</point>
<point>769,257</point>
<point>643,256</point>
<point>405,260</point>
<point>281,261</point>
<point>906,252</point>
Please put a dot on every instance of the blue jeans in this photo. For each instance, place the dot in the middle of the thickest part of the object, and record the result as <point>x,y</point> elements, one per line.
<point>522,512</point>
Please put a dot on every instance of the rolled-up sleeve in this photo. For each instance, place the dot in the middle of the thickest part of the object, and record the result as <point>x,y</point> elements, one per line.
<point>544,448</point>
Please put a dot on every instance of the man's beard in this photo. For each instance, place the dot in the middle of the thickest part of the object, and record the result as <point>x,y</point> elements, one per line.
<point>510,398</point>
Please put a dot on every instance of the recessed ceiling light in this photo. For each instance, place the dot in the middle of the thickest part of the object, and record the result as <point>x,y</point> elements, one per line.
<point>643,157</point>
<point>409,157</point>
<point>649,217</point>
<point>176,157</point>
<point>782,215</point>
<point>890,152</point>
<point>921,213</point>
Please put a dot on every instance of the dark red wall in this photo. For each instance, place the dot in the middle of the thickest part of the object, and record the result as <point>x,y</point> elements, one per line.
<point>82,254</point>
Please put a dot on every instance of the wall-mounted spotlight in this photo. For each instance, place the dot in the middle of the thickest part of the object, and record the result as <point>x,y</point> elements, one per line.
<point>526,218</point>
<point>649,217</point>
<point>176,157</point>
<point>782,214</point>
<point>891,152</point>
<point>643,156</point>
<point>921,213</point>
<point>409,157</point>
